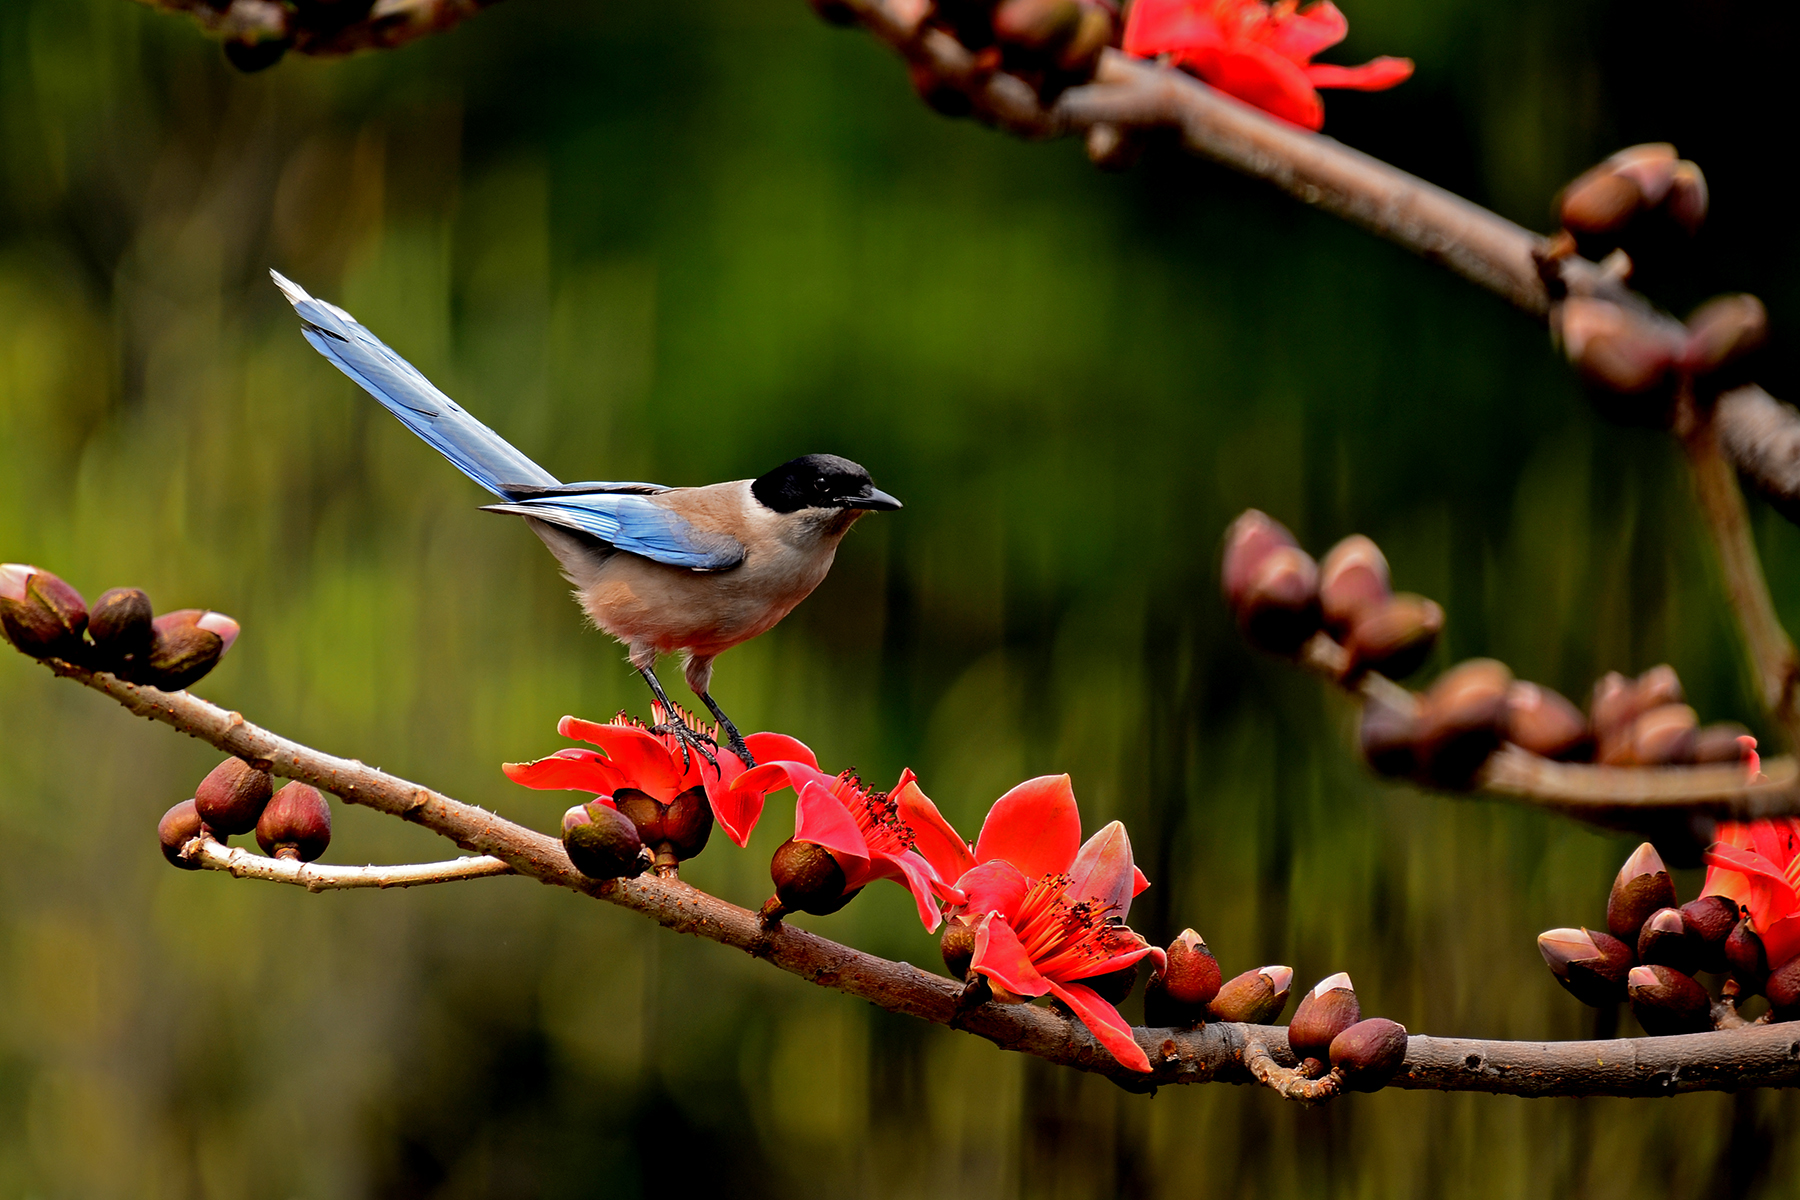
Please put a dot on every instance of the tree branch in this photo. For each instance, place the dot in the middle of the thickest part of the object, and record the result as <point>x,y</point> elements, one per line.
<point>1759,1056</point>
<point>315,877</point>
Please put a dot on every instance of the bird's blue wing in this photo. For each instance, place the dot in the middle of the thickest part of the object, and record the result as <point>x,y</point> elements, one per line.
<point>472,447</point>
<point>635,523</point>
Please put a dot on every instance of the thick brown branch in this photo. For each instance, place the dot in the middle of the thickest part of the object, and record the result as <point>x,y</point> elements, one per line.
<point>316,877</point>
<point>1754,1057</point>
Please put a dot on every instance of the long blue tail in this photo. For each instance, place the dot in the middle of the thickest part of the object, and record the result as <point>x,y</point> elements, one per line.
<point>476,450</point>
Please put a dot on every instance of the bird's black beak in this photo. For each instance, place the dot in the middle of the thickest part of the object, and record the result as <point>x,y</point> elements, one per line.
<point>874,499</point>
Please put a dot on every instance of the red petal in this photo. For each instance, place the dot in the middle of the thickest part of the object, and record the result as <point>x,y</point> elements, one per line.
<point>1262,78</point>
<point>1103,871</point>
<point>770,747</point>
<point>773,776</point>
<point>1000,956</point>
<point>920,880</point>
<point>995,886</point>
<point>1772,897</point>
<point>1139,881</point>
<point>1305,33</point>
<point>1168,26</point>
<point>1781,940</point>
<point>639,756</point>
<point>570,770</point>
<point>1112,1030</point>
<point>940,845</point>
<point>821,819</point>
<point>1035,827</point>
<point>1376,75</point>
<point>737,810</point>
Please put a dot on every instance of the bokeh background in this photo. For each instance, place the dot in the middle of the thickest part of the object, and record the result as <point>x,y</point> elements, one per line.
<point>685,241</point>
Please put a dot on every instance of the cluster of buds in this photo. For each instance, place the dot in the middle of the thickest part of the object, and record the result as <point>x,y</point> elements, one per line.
<point>1652,949</point>
<point>1443,736</point>
<point>238,797</point>
<point>1638,185</point>
<point>46,618</point>
<point>1282,598</point>
<point>1327,1031</point>
<point>1051,44</point>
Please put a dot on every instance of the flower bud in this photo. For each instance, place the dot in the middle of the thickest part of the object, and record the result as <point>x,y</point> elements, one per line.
<point>181,650</point>
<point>1599,202</point>
<point>1659,685</point>
<point>1745,956</point>
<point>42,616</point>
<point>1590,966</point>
<point>120,626</point>
<point>1322,1014</point>
<point>1614,349</point>
<point>958,947</point>
<point>1546,723</point>
<point>1460,721</point>
<point>1387,735</point>
<point>1783,991</point>
<point>1665,1001</point>
<point>602,842</point>
<point>251,55</point>
<point>1040,26</point>
<point>231,797</point>
<point>1642,886</point>
<point>1664,736</point>
<point>1177,995</point>
<point>1664,941</point>
<point>939,94</point>
<point>809,880</point>
<point>1247,542</point>
<point>1396,636</point>
<point>1718,742</point>
<point>1082,53</point>
<point>1281,602</point>
<point>1723,330</point>
<point>1614,704</point>
<point>1687,199</point>
<point>179,826</point>
<point>1253,998</point>
<point>1353,580</point>
<point>679,828</point>
<point>1369,1053</point>
<point>296,823</point>
<point>1709,922</point>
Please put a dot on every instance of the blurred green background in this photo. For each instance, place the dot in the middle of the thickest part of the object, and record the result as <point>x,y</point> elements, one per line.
<point>685,241</point>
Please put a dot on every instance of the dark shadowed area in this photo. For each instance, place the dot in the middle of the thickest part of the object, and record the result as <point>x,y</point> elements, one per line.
<point>685,241</point>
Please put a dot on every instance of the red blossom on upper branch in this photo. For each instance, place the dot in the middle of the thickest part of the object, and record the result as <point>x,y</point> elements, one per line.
<point>1260,53</point>
<point>1756,864</point>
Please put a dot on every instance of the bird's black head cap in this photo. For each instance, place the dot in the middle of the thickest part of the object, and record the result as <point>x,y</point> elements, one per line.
<point>819,481</point>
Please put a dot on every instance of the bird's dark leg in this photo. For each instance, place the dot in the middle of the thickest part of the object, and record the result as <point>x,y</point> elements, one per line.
<point>734,739</point>
<point>684,733</point>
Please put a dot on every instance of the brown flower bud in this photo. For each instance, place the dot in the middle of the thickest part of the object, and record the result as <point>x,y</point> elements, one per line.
<point>42,616</point>
<point>1092,35</point>
<point>121,629</point>
<point>602,842</point>
<point>1658,686</point>
<point>1323,1013</point>
<point>1590,966</point>
<point>1745,956</point>
<point>1460,721</point>
<point>1247,542</point>
<point>1614,348</point>
<point>1664,941</point>
<point>1687,199</point>
<point>679,828</point>
<point>1040,26</point>
<point>809,880</point>
<point>1369,1053</point>
<point>1664,736</point>
<point>1177,996</point>
<point>179,826</point>
<point>1783,991</point>
<point>1723,330</point>
<point>1547,723</point>
<point>1396,636</point>
<point>1254,998</point>
<point>1709,922</point>
<point>939,93</point>
<point>1718,742</point>
<point>1281,603</point>
<point>1353,580</point>
<point>1387,735</point>
<point>296,823</point>
<point>1614,704</point>
<point>1642,886</point>
<point>232,796</point>
<point>958,947</point>
<point>1599,202</point>
<point>1665,1001</point>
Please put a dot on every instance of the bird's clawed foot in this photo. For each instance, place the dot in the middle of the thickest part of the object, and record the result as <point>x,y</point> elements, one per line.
<point>690,739</point>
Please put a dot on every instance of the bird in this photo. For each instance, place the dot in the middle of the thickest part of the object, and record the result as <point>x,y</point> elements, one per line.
<point>665,570</point>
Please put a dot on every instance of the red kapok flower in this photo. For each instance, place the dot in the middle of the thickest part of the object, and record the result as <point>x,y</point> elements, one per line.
<point>868,833</point>
<point>1048,911</point>
<point>1756,864</point>
<point>1261,53</point>
<point>631,756</point>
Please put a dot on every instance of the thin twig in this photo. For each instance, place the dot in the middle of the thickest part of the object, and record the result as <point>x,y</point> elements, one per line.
<point>316,877</point>
<point>1766,1056</point>
<point>1288,1082</point>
